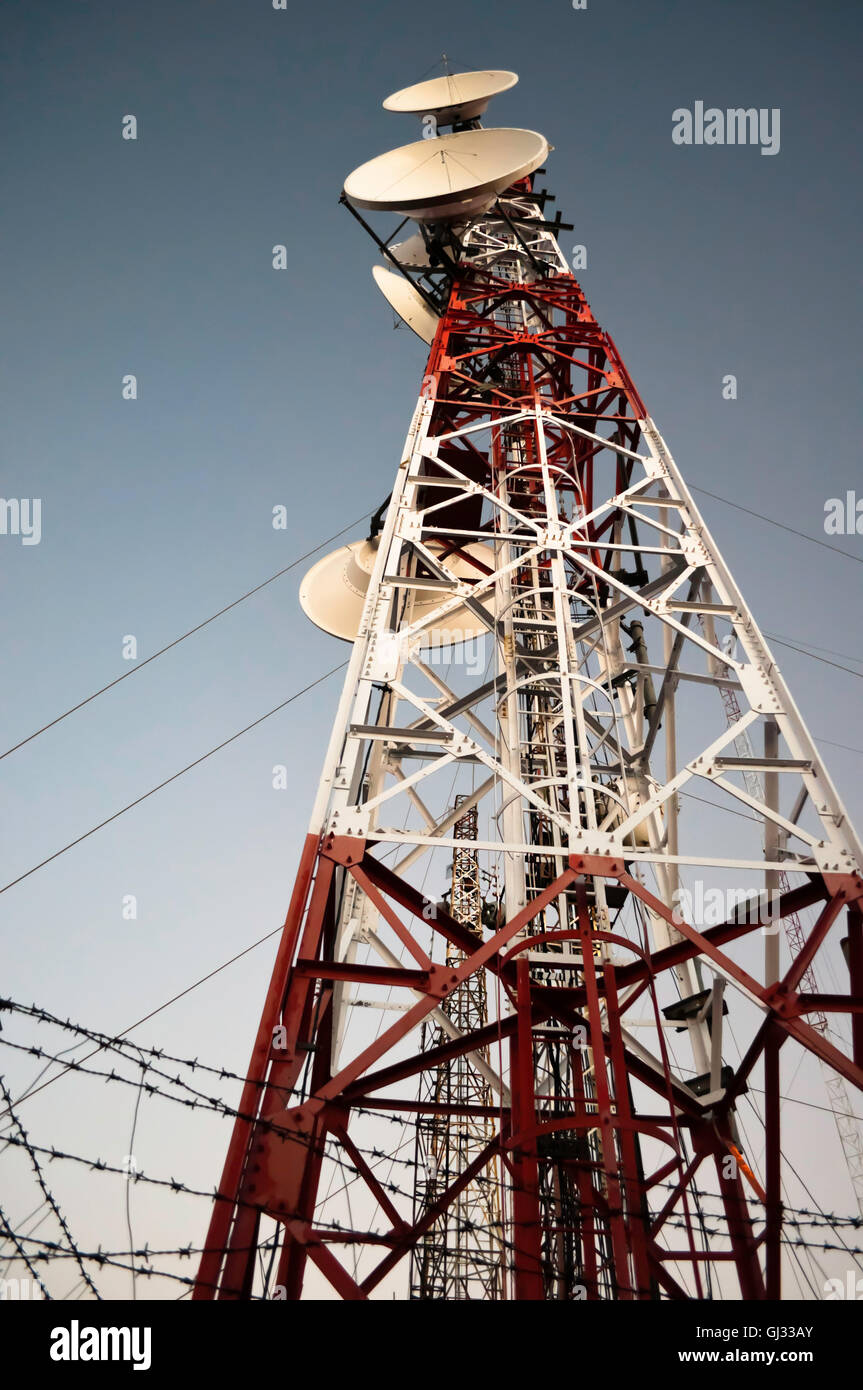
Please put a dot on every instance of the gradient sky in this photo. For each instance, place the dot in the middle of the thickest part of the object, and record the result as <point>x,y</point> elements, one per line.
<point>259,388</point>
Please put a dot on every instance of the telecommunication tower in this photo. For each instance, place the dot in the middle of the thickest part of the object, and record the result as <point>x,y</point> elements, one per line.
<point>536,517</point>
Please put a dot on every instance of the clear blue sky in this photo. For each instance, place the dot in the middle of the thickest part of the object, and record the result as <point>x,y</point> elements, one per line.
<point>258,388</point>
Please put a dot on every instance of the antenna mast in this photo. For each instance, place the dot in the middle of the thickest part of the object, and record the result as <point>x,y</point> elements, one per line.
<point>575,1050</point>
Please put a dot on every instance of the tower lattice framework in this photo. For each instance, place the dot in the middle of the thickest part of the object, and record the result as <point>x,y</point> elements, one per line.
<point>460,1256</point>
<point>608,794</point>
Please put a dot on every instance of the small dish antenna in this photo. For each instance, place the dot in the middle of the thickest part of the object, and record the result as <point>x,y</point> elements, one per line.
<point>333,593</point>
<point>412,253</point>
<point>460,96</point>
<point>407,302</point>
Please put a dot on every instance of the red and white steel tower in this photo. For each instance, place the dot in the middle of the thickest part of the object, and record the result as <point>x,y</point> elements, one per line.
<point>540,535</point>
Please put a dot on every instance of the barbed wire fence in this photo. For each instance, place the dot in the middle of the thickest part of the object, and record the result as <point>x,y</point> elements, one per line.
<point>41,1263</point>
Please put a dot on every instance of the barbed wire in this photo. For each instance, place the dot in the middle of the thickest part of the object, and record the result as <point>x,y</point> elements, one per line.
<point>216,1104</point>
<point>813,1219</point>
<point>801,1221</point>
<point>46,1193</point>
<point>16,1241</point>
<point>50,1250</point>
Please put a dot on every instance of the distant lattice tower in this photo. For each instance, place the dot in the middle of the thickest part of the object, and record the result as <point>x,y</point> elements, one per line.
<point>590,767</point>
<point>460,1256</point>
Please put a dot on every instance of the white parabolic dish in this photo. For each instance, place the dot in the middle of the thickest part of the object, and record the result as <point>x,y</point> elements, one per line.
<point>412,252</point>
<point>450,176</point>
<point>333,593</point>
<point>407,301</point>
<point>461,96</point>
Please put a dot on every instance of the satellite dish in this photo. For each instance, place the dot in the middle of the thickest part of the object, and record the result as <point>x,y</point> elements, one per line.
<point>407,301</point>
<point>461,96</point>
<point>412,253</point>
<point>452,176</point>
<point>333,592</point>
